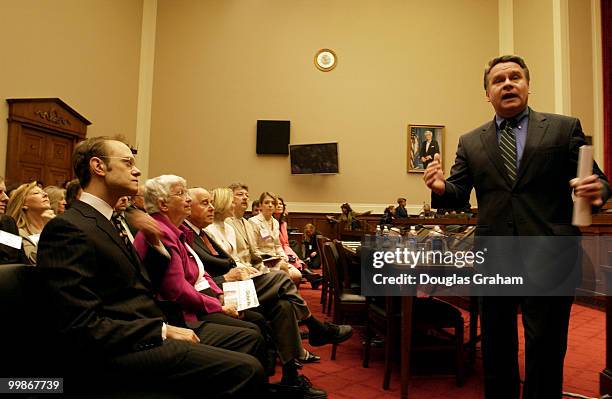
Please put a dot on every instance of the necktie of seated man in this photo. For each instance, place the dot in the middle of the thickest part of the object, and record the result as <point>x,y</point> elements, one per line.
<point>208,243</point>
<point>507,146</point>
<point>116,219</point>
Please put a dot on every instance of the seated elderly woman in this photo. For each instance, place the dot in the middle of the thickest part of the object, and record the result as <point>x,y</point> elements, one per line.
<point>183,279</point>
<point>29,206</point>
<point>267,231</point>
<point>57,198</point>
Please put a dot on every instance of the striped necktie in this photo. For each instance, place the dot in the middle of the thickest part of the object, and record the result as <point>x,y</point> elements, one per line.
<point>116,219</point>
<point>507,145</point>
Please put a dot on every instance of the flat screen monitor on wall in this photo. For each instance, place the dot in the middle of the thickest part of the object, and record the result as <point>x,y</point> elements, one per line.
<point>273,137</point>
<point>313,158</point>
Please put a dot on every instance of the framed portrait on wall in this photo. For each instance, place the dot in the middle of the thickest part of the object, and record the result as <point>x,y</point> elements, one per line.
<point>424,141</point>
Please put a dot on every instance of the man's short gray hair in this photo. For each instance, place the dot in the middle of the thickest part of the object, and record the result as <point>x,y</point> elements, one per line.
<point>159,188</point>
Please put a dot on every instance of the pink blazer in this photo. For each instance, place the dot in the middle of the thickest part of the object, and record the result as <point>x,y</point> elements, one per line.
<point>182,273</point>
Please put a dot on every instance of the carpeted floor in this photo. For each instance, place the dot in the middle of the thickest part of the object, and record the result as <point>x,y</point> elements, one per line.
<point>346,378</point>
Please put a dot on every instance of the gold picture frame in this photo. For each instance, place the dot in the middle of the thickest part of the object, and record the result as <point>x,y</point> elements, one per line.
<point>419,153</point>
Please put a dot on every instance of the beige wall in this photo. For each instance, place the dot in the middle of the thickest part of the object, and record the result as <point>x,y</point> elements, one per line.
<point>533,40</point>
<point>84,52</point>
<point>221,65</point>
<point>581,63</point>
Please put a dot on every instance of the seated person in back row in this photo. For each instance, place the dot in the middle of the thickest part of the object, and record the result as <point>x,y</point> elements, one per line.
<point>267,234</point>
<point>255,208</point>
<point>387,217</point>
<point>311,251</point>
<point>348,217</point>
<point>280,214</point>
<point>8,254</point>
<point>400,209</point>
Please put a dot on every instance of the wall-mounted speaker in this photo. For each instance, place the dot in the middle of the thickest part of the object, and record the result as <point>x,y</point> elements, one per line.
<point>273,137</point>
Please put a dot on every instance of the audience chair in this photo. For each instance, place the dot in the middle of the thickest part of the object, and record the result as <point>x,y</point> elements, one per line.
<point>346,304</point>
<point>26,340</point>
<point>383,317</point>
<point>29,347</point>
<point>430,315</point>
<point>345,269</point>
<point>326,291</point>
<point>474,337</point>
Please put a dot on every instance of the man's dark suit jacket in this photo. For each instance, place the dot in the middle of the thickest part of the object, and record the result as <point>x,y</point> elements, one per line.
<point>103,296</point>
<point>215,265</point>
<point>539,202</point>
<point>434,148</point>
<point>8,254</point>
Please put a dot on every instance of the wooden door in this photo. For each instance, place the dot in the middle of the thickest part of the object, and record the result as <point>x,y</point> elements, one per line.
<point>42,135</point>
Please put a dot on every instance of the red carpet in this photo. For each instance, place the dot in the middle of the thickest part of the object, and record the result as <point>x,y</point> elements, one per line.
<point>346,378</point>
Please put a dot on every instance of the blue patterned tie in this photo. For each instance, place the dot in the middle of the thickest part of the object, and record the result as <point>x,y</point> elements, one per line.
<point>507,145</point>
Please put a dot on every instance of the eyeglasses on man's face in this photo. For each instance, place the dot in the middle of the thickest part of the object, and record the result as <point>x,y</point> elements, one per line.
<point>130,162</point>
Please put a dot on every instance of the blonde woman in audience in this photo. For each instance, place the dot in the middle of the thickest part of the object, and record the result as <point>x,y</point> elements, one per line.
<point>30,207</point>
<point>221,231</point>
<point>267,231</point>
<point>57,198</point>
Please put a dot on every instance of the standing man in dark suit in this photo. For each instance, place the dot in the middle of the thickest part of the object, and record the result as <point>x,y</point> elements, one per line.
<point>429,148</point>
<point>110,326</point>
<point>522,165</point>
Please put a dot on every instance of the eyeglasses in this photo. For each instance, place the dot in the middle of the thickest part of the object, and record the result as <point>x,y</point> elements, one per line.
<point>181,194</point>
<point>130,162</point>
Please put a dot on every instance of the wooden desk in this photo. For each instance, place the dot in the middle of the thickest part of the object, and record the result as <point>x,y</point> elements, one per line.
<point>406,335</point>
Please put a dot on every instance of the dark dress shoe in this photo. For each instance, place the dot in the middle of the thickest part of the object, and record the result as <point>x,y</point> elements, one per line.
<point>299,387</point>
<point>316,283</point>
<point>306,272</point>
<point>309,358</point>
<point>314,279</point>
<point>331,334</point>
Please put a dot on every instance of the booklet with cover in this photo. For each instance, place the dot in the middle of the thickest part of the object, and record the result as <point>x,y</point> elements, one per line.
<point>240,293</point>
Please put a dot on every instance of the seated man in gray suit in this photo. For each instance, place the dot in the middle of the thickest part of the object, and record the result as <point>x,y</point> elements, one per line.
<point>110,326</point>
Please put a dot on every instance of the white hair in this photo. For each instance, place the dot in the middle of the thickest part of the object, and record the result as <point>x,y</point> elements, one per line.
<point>159,188</point>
